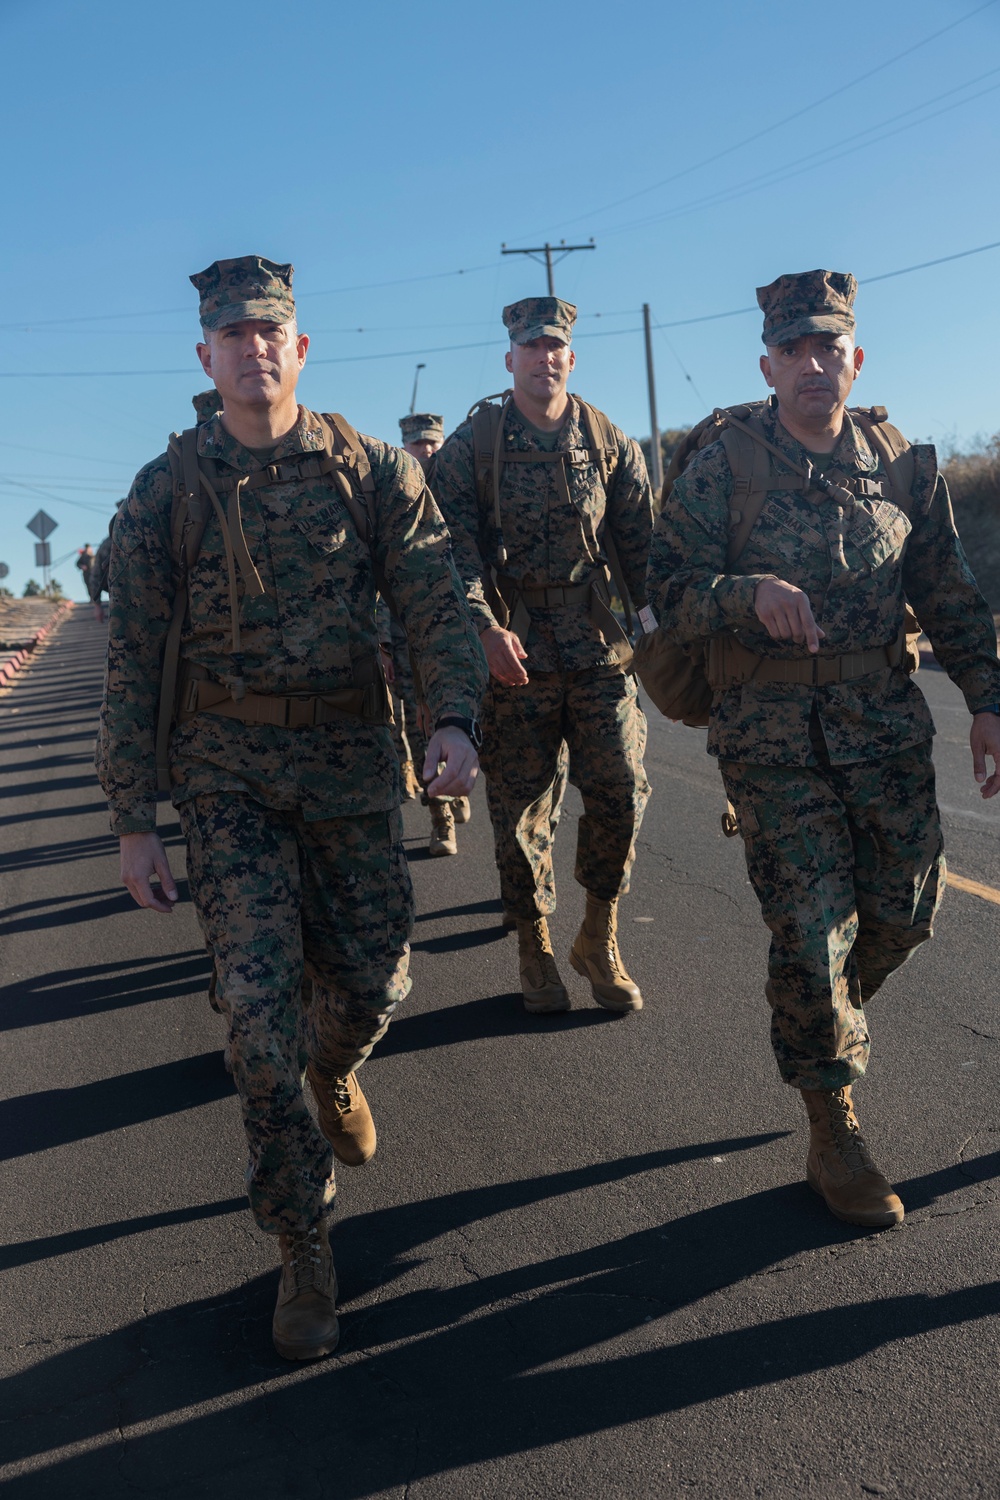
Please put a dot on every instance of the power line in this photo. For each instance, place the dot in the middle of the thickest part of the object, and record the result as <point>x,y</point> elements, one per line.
<point>335,291</point>
<point>347,359</point>
<point>35,489</point>
<point>793,168</point>
<point>688,377</point>
<point>185,333</point>
<point>778,124</point>
<point>52,453</point>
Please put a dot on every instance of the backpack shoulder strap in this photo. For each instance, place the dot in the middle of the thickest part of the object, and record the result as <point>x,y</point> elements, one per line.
<point>601,437</point>
<point>892,448</point>
<point>750,464</point>
<point>487,441</point>
<point>188,519</point>
<point>353,473</point>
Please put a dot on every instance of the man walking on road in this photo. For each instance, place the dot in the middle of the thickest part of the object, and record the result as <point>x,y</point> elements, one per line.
<point>541,493</point>
<point>823,740</point>
<point>422,434</point>
<point>280,762</point>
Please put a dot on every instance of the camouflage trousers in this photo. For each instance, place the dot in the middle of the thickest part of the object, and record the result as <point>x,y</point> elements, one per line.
<point>848,868</point>
<point>597,714</point>
<point>410,742</point>
<point>278,897</point>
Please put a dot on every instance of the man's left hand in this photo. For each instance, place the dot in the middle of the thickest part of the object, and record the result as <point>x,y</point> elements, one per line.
<point>452,746</point>
<point>985,741</point>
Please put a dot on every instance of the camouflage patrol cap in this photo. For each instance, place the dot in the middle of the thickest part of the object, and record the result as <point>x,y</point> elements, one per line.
<point>807,302</point>
<point>247,287</point>
<point>539,317</point>
<point>422,426</point>
<point>206,404</point>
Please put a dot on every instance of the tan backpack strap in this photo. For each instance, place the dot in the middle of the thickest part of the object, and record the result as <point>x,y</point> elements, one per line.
<point>601,438</point>
<point>751,470</point>
<point>487,445</point>
<point>342,442</point>
<point>893,449</point>
<point>188,518</point>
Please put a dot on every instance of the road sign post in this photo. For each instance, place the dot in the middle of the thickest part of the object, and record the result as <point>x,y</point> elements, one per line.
<point>43,526</point>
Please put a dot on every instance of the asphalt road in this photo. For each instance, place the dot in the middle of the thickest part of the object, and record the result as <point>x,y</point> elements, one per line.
<point>584,1261</point>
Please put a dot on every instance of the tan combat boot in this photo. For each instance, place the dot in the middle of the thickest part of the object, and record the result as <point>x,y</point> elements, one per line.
<point>344,1118</point>
<point>462,809</point>
<point>839,1167</point>
<point>541,986</point>
<point>305,1317</point>
<point>410,782</point>
<point>595,955</point>
<point>442,840</point>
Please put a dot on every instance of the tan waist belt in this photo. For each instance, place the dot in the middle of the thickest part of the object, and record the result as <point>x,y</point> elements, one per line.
<point>730,663</point>
<point>547,596</point>
<point>287,711</point>
<point>520,599</point>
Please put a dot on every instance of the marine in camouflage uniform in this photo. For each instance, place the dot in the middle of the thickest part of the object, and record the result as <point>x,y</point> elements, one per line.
<point>280,762</point>
<point>206,404</point>
<point>830,771</point>
<point>422,435</point>
<point>551,547</point>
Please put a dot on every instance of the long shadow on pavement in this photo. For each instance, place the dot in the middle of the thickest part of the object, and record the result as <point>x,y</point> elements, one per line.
<point>55,1117</point>
<point>434,1393</point>
<point>476,1020</point>
<point>66,993</point>
<point>37,856</point>
<point>29,1252</point>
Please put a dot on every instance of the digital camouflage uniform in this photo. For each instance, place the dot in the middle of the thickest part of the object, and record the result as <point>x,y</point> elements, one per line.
<point>833,786</point>
<point>294,834</point>
<point>206,404</point>
<point>577,691</point>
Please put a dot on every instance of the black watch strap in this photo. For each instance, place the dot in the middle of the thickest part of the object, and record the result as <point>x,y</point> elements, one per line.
<point>990,708</point>
<point>467,726</point>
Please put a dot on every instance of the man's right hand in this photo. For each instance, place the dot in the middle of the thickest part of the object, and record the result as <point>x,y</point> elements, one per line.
<point>143,856</point>
<point>786,613</point>
<point>504,655</point>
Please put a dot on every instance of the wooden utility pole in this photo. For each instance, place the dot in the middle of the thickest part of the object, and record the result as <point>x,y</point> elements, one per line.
<point>656,465</point>
<point>561,250</point>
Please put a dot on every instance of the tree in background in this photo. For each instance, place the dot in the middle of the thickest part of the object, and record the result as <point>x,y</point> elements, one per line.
<point>669,440</point>
<point>52,590</point>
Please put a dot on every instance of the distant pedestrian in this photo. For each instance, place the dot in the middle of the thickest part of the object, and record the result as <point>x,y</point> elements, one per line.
<point>423,434</point>
<point>97,578</point>
<point>85,561</point>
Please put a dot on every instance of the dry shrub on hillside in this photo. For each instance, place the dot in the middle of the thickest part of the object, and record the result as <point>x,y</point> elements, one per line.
<point>974,481</point>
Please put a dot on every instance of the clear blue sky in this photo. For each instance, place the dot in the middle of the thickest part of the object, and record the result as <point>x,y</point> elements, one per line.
<point>380,142</point>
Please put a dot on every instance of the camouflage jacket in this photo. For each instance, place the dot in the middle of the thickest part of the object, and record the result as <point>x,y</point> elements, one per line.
<point>856,568</point>
<point>548,541</point>
<point>303,634</point>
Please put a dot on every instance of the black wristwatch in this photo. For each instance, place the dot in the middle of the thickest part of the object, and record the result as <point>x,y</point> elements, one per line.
<point>991,708</point>
<point>467,726</point>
